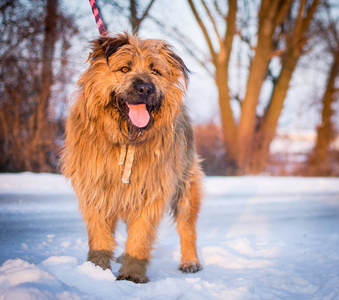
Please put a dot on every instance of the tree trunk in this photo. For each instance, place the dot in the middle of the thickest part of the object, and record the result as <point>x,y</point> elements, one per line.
<point>317,164</point>
<point>134,19</point>
<point>254,139</point>
<point>50,39</point>
<point>258,71</point>
<point>243,154</point>
<point>269,122</point>
<point>227,119</point>
<point>221,64</point>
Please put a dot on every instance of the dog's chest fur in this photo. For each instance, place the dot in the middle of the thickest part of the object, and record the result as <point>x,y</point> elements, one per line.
<point>159,167</point>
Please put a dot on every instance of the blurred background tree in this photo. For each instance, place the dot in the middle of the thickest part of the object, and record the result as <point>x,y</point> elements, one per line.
<point>322,157</point>
<point>280,37</point>
<point>34,44</point>
<point>135,11</point>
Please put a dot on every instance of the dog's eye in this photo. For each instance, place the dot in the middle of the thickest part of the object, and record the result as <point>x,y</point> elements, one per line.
<point>155,72</point>
<point>124,69</point>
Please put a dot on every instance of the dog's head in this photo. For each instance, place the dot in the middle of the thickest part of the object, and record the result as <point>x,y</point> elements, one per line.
<point>137,80</point>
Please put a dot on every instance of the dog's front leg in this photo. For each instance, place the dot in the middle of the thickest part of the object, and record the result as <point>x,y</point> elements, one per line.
<point>141,235</point>
<point>186,225</point>
<point>100,239</point>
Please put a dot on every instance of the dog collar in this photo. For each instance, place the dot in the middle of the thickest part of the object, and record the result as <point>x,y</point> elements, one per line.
<point>127,158</point>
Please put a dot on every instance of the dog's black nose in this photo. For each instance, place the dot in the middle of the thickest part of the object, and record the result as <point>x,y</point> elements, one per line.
<point>144,89</point>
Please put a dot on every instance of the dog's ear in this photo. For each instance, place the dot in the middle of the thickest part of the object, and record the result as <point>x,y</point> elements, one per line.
<point>176,61</point>
<point>107,46</point>
<point>181,65</point>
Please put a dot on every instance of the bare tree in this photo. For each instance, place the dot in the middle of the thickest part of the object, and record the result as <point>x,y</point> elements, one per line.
<point>133,10</point>
<point>282,33</point>
<point>318,163</point>
<point>29,129</point>
<point>50,39</point>
<point>137,16</point>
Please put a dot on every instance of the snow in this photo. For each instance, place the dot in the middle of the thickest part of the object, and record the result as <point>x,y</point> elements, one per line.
<point>258,238</point>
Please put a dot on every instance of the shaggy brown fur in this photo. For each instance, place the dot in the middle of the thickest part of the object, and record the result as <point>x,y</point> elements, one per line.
<point>133,168</point>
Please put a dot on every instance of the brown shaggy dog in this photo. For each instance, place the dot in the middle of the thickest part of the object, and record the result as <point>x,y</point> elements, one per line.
<point>129,151</point>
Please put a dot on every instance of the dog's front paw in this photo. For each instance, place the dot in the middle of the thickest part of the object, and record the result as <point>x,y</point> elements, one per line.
<point>190,266</point>
<point>133,269</point>
<point>134,278</point>
<point>101,258</point>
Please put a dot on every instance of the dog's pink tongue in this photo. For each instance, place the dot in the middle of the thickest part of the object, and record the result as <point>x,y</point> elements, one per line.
<point>138,115</point>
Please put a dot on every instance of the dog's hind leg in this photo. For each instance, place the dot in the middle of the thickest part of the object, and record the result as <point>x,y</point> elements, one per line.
<point>100,239</point>
<point>186,218</point>
<point>141,235</point>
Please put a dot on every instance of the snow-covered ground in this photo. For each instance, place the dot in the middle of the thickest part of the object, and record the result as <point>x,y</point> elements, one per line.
<point>258,238</point>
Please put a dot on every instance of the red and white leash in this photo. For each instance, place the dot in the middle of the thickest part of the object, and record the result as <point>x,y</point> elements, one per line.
<point>126,154</point>
<point>98,20</point>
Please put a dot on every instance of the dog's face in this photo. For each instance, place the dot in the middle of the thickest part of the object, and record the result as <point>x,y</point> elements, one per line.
<point>136,79</point>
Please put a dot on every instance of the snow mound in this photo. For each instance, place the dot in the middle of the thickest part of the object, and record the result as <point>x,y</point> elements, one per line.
<point>22,280</point>
<point>85,277</point>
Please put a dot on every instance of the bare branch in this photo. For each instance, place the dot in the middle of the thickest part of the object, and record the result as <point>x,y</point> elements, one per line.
<point>145,14</point>
<point>332,25</point>
<point>231,25</point>
<point>283,11</point>
<point>188,45</point>
<point>133,16</point>
<point>212,20</point>
<point>310,13</point>
<point>203,29</point>
<point>218,10</point>
<point>278,52</point>
<point>298,36</point>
